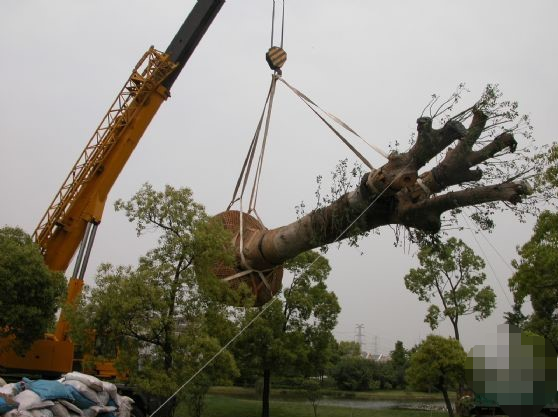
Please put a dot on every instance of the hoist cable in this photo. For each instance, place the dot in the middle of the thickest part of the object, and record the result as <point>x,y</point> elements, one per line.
<point>272,23</point>
<point>283,24</point>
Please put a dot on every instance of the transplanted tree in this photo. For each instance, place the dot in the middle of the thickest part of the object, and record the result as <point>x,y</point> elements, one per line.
<point>446,168</point>
<point>292,336</point>
<point>451,272</point>
<point>437,363</point>
<point>162,314</point>
<point>30,294</point>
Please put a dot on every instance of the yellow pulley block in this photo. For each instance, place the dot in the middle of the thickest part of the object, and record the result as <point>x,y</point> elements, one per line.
<point>276,57</point>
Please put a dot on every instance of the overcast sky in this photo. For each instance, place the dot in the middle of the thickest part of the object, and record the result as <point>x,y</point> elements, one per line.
<point>373,63</point>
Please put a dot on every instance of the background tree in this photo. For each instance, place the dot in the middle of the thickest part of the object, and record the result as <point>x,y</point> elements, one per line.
<point>439,363</point>
<point>399,363</point>
<point>162,314</point>
<point>313,394</point>
<point>354,373</point>
<point>30,294</point>
<point>383,376</point>
<point>293,336</point>
<point>537,270</point>
<point>323,355</point>
<point>312,309</point>
<point>451,272</point>
<point>348,348</point>
<point>536,278</point>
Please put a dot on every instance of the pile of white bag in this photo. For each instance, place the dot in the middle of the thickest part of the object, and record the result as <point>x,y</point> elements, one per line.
<point>75,395</point>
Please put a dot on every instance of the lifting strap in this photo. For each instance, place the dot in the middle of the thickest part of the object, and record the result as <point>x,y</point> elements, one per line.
<point>242,182</point>
<point>243,178</point>
<point>313,106</point>
<point>264,121</point>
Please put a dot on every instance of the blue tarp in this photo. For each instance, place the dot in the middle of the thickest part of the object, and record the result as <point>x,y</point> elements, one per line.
<point>78,399</point>
<point>5,406</point>
<point>54,390</point>
<point>49,390</point>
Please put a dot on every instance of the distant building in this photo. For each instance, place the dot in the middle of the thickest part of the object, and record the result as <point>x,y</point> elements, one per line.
<point>380,357</point>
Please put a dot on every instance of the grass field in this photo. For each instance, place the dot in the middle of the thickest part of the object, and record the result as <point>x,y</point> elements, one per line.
<point>294,394</point>
<point>221,406</point>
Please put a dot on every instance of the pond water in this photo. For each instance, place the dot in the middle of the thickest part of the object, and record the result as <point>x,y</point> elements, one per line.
<point>383,404</point>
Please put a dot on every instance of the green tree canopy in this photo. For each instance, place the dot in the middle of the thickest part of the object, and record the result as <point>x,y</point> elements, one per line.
<point>452,272</point>
<point>348,348</point>
<point>536,278</point>
<point>30,294</point>
<point>546,169</point>
<point>162,314</point>
<point>353,373</point>
<point>437,363</point>
<point>399,363</point>
<point>293,335</point>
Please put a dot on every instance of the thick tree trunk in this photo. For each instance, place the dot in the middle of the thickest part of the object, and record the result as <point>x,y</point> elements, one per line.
<point>265,392</point>
<point>167,353</point>
<point>455,329</point>
<point>397,194</point>
<point>168,328</point>
<point>447,401</point>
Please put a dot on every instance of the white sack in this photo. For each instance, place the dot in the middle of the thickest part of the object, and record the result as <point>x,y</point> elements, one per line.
<point>89,380</point>
<point>104,397</point>
<point>124,406</point>
<point>42,404</point>
<point>59,410</point>
<point>83,390</point>
<point>90,412</point>
<point>104,408</point>
<point>72,408</point>
<point>42,412</point>
<point>27,399</point>
<point>112,390</point>
<point>18,413</point>
<point>8,389</point>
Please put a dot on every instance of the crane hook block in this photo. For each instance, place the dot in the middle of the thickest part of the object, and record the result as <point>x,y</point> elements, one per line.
<point>276,57</point>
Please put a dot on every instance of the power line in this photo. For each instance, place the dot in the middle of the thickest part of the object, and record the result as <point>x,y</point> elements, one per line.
<point>360,336</point>
<point>487,260</point>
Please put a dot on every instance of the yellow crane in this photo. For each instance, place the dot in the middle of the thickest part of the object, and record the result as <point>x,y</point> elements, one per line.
<point>71,220</point>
